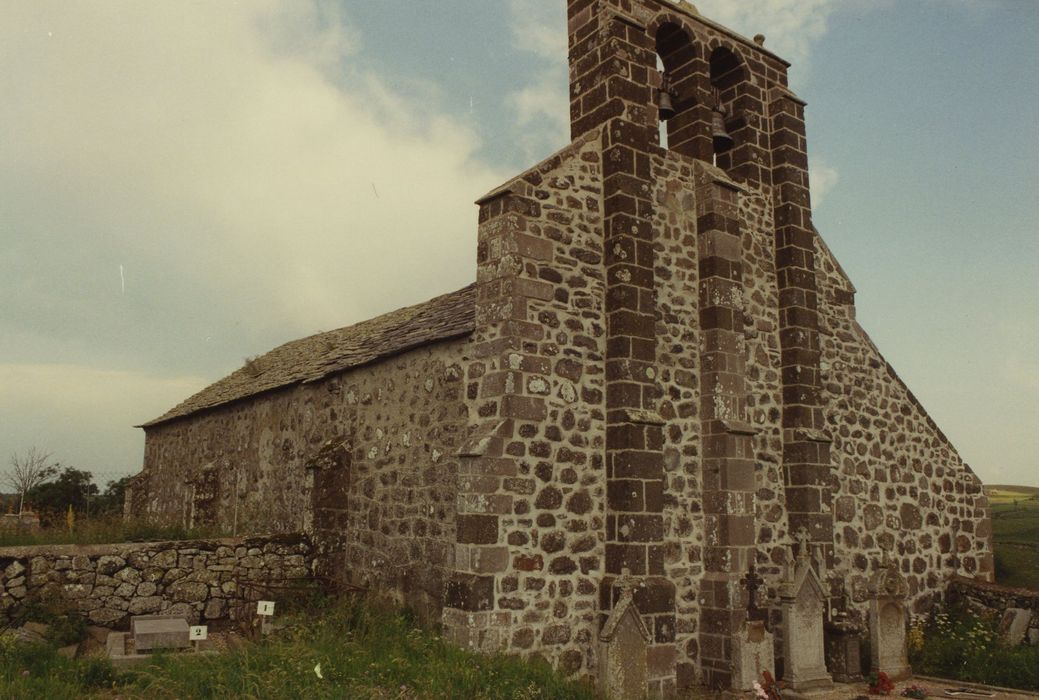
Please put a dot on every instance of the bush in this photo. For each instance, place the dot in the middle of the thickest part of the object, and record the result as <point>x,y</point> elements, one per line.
<point>965,646</point>
<point>50,607</point>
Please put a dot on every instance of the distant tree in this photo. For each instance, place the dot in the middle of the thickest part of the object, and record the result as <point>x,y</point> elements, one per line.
<point>73,487</point>
<point>29,471</point>
<point>111,501</point>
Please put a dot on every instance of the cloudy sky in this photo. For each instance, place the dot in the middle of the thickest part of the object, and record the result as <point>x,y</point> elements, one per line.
<point>186,184</point>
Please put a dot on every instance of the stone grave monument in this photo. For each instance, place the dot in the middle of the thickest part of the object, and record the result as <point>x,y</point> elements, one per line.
<point>148,634</point>
<point>887,621</point>
<point>623,643</point>
<point>804,611</point>
<point>753,650</point>
<point>843,639</point>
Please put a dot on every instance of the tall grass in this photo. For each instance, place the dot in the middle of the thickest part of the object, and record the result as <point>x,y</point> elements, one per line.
<point>107,530</point>
<point>364,649</point>
<point>37,671</point>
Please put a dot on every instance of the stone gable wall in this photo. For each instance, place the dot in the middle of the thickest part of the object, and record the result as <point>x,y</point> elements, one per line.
<point>901,486</point>
<point>199,580</point>
<point>382,441</point>
<point>898,485</point>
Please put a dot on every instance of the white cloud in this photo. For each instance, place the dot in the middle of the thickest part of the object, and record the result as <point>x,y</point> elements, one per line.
<point>822,178</point>
<point>542,107</point>
<point>791,27</point>
<point>84,415</point>
<point>227,151</point>
<point>539,27</point>
<point>541,114</point>
<point>247,175</point>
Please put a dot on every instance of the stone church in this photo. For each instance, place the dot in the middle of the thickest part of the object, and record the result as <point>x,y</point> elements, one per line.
<point>655,383</point>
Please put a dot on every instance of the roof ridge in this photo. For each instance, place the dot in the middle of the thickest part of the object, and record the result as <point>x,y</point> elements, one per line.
<point>319,355</point>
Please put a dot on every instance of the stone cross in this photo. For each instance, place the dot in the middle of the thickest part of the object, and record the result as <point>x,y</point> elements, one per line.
<point>804,542</point>
<point>626,581</point>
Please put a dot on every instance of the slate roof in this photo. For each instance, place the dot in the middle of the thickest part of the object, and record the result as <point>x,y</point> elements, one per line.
<point>315,357</point>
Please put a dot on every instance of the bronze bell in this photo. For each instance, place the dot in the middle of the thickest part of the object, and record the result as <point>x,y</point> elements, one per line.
<point>664,102</point>
<point>722,140</point>
<point>665,105</point>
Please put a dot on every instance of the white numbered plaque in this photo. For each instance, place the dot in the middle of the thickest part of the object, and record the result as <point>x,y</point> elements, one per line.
<point>265,607</point>
<point>198,633</point>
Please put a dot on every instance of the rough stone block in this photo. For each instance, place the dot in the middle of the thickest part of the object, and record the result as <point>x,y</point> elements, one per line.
<point>159,632</point>
<point>1014,625</point>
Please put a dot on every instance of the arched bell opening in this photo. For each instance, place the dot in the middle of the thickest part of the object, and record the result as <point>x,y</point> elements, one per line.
<point>680,68</point>
<point>728,76</point>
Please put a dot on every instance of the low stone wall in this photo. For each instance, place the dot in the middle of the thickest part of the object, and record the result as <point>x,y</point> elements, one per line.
<point>982,596</point>
<point>199,579</point>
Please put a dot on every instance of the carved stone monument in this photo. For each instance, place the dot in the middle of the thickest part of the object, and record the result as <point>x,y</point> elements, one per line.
<point>843,640</point>
<point>623,643</point>
<point>887,622</point>
<point>753,650</point>
<point>804,610</point>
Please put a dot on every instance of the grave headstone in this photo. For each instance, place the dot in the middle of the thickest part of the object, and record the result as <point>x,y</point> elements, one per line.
<point>887,622</point>
<point>804,611</point>
<point>753,649</point>
<point>623,643</point>
<point>753,653</point>
<point>151,632</point>
<point>844,648</point>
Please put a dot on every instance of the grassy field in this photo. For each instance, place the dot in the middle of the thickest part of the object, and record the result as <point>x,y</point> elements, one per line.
<point>1015,529</point>
<point>346,650</point>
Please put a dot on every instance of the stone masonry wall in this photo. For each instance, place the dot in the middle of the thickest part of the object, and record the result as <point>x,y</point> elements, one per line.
<point>531,488</point>
<point>199,580</point>
<point>678,362</point>
<point>381,441</point>
<point>901,487</point>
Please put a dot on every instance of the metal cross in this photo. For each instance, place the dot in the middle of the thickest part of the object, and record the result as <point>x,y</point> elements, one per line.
<point>752,582</point>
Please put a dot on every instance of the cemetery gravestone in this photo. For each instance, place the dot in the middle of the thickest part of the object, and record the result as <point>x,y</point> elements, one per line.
<point>887,622</point>
<point>804,609</point>
<point>623,643</point>
<point>753,650</point>
<point>151,632</point>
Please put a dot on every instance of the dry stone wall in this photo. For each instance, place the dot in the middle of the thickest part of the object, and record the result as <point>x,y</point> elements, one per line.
<point>199,580</point>
<point>995,601</point>
<point>366,460</point>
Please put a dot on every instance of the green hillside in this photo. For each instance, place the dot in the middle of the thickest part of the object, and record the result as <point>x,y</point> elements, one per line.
<point>1015,530</point>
